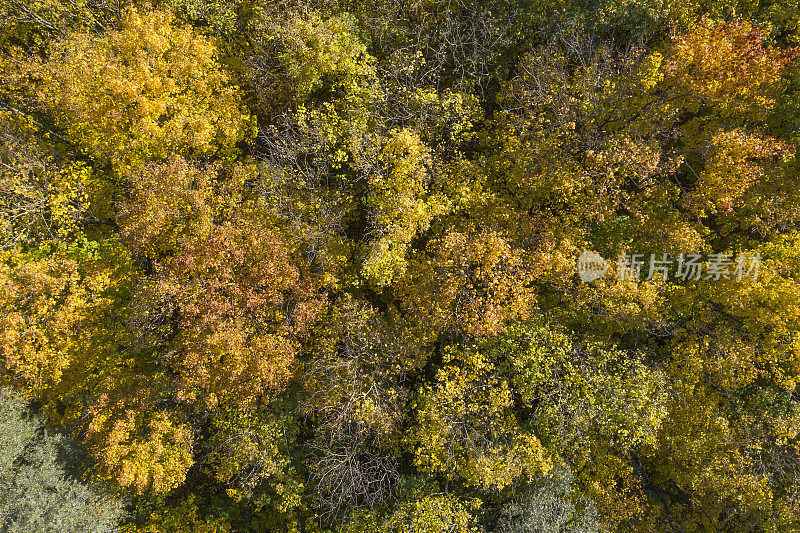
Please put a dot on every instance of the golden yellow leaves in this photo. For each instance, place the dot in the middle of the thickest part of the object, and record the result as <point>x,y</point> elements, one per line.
<point>41,304</point>
<point>399,208</point>
<point>731,171</point>
<point>144,91</point>
<point>473,283</point>
<point>168,202</point>
<point>490,281</point>
<point>317,50</point>
<point>727,65</point>
<point>245,448</point>
<point>433,513</point>
<point>56,343</point>
<point>301,54</point>
<point>466,426</point>
<point>157,461</point>
<point>137,444</point>
<point>48,309</point>
<point>42,196</point>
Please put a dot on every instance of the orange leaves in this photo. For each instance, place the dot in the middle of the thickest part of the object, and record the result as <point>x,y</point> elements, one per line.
<point>58,343</point>
<point>237,293</point>
<point>731,170</point>
<point>728,65</point>
<point>443,209</point>
<point>236,285</point>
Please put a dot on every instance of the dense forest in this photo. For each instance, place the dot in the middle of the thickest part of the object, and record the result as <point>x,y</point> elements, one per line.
<point>313,266</point>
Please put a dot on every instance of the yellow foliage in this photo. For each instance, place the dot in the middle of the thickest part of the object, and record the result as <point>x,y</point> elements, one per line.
<point>728,65</point>
<point>141,92</point>
<point>473,283</point>
<point>466,426</point>
<point>400,205</point>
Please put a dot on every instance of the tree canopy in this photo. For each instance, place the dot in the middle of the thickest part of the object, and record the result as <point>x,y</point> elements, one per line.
<point>313,266</point>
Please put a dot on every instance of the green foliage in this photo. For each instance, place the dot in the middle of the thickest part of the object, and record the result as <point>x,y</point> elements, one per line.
<point>39,490</point>
<point>552,505</point>
<point>466,425</point>
<point>437,513</point>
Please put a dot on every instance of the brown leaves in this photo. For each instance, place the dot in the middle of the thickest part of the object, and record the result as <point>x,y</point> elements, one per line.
<point>237,292</point>
<point>233,283</point>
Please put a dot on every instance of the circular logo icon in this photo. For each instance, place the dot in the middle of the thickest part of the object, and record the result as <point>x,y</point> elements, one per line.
<point>591,266</point>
